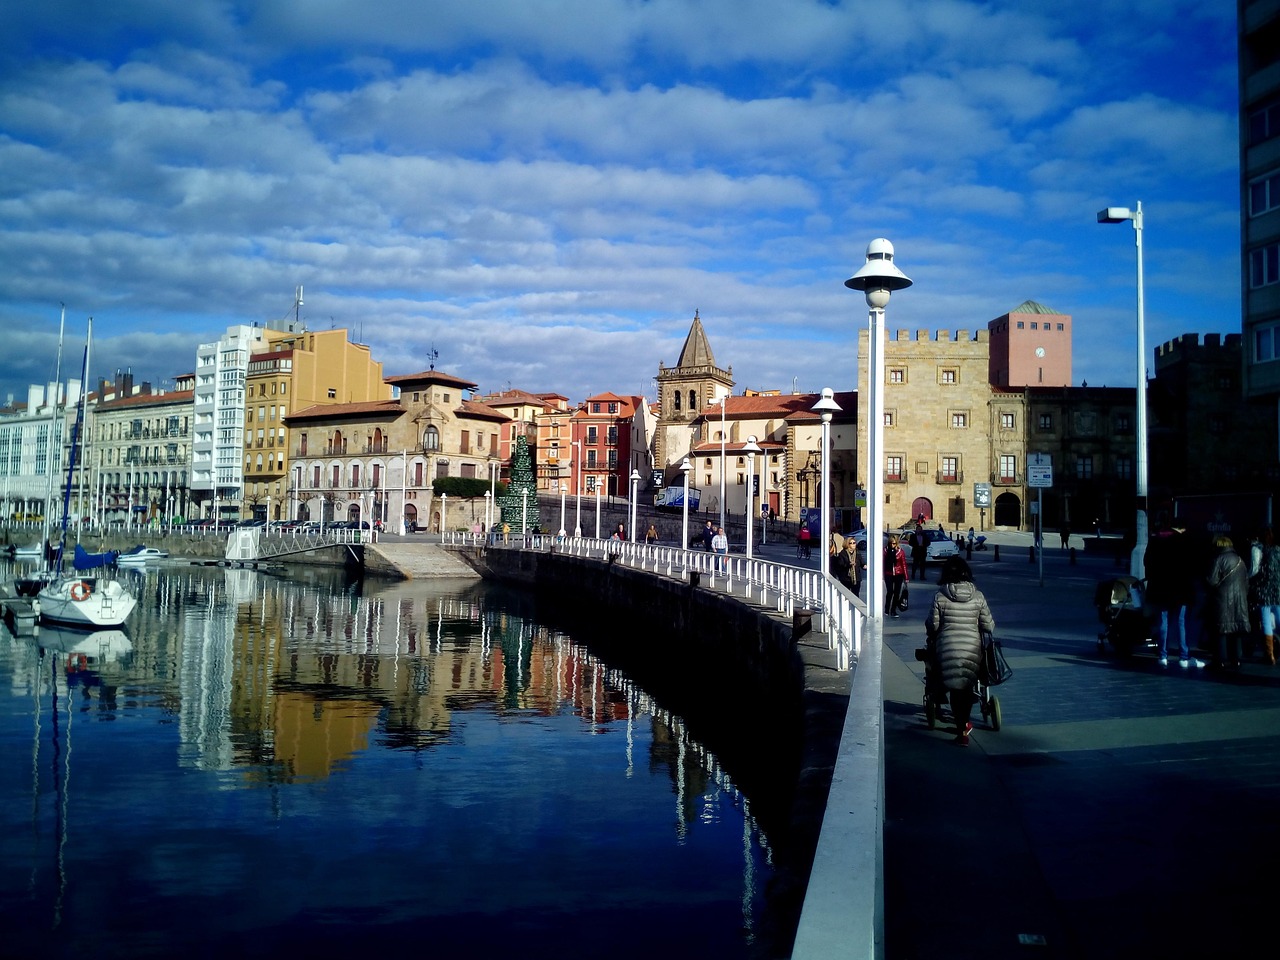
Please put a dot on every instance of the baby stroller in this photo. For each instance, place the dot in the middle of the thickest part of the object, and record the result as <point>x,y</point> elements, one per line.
<point>1124,625</point>
<point>935,694</point>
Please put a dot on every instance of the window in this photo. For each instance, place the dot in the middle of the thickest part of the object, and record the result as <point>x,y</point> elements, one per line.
<point>1084,468</point>
<point>1123,424</point>
<point>1020,324</point>
<point>592,436</point>
<point>893,469</point>
<point>331,393</point>
<point>949,375</point>
<point>897,375</point>
<point>591,459</point>
<point>677,396</point>
<point>1061,327</point>
<point>1034,325</point>
<point>595,408</point>
<point>431,439</point>
<point>612,436</point>
<point>1007,421</point>
<point>950,472</point>
<point>959,421</point>
<point>1264,122</point>
<point>1046,421</point>
<point>315,477</point>
<point>613,408</point>
<point>1124,468</point>
<point>1266,344</point>
<point>336,478</point>
<point>355,475</point>
<point>1264,266</point>
<point>613,459</point>
<point>1008,468</point>
<point>693,400</point>
<point>888,419</point>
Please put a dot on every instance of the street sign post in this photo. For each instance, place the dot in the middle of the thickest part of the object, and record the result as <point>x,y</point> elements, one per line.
<point>1039,476</point>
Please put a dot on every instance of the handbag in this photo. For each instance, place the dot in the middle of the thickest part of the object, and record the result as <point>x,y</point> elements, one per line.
<point>902,601</point>
<point>995,669</point>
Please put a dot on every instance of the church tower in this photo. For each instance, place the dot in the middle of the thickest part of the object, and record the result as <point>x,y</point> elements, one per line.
<point>684,390</point>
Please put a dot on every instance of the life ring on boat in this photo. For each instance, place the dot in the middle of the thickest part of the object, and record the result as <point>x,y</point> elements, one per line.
<point>80,591</point>
<point>77,662</point>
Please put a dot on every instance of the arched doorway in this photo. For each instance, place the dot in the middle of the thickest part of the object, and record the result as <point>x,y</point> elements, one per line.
<point>410,517</point>
<point>922,507</point>
<point>1008,511</point>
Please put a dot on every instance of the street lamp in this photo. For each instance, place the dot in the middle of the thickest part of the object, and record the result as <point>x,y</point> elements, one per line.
<point>685,467</point>
<point>444,513</point>
<point>599,488</point>
<point>751,448</point>
<point>724,403</point>
<point>488,516</point>
<point>577,496</point>
<point>877,279</point>
<point>635,488</point>
<point>826,407</point>
<point>563,491</point>
<point>764,502</point>
<point>1136,565</point>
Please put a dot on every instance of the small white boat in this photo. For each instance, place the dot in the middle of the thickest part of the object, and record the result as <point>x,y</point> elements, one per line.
<point>90,603</point>
<point>29,551</point>
<point>139,555</point>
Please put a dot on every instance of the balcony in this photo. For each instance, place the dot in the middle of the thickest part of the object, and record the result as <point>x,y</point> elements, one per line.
<point>1005,481</point>
<point>336,449</point>
<point>956,477</point>
<point>376,447</point>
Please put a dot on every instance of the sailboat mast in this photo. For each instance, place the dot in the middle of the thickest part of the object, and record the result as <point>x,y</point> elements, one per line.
<point>84,421</point>
<point>71,466</point>
<point>49,467</point>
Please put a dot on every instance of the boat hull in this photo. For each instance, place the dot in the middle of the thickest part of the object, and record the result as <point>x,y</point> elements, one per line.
<point>87,603</point>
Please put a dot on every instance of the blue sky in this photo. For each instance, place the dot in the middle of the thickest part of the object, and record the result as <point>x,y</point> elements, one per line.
<point>545,192</point>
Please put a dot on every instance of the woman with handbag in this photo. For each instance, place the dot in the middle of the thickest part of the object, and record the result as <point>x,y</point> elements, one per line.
<point>958,619</point>
<point>895,575</point>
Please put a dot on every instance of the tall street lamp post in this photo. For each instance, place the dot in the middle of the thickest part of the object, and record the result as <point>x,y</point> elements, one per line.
<point>877,279</point>
<point>599,489</point>
<point>563,491</point>
<point>825,407</point>
<point>488,515</point>
<point>751,448</point>
<point>685,467</point>
<point>577,496</point>
<point>724,403</point>
<point>635,488</point>
<point>764,502</point>
<point>1136,565</point>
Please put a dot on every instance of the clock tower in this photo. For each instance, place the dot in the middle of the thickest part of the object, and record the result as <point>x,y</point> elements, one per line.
<point>1030,347</point>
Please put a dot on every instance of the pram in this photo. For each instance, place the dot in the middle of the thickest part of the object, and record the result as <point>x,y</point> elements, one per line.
<point>935,694</point>
<point>1124,625</point>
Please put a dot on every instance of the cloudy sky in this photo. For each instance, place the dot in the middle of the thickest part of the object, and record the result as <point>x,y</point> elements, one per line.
<point>544,192</point>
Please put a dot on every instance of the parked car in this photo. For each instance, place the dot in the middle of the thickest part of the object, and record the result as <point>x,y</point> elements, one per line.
<point>941,546</point>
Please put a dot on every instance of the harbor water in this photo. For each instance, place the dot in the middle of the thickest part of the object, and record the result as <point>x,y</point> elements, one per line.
<point>266,762</point>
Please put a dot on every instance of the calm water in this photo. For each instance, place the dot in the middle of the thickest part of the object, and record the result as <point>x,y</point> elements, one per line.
<point>265,763</point>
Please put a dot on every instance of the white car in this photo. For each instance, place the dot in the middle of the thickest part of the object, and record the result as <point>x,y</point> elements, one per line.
<point>941,546</point>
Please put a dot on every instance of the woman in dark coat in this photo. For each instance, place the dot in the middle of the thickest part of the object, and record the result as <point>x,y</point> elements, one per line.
<point>958,620</point>
<point>1226,605</point>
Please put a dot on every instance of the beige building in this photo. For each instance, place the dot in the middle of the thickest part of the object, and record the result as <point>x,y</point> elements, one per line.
<point>293,371</point>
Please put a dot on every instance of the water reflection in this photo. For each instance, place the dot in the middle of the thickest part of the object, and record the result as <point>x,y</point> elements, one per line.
<point>263,762</point>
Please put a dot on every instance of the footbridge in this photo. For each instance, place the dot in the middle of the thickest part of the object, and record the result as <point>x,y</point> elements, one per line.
<point>255,544</point>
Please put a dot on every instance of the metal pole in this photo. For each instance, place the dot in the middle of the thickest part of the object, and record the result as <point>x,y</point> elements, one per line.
<point>684,526</point>
<point>825,553</point>
<point>724,403</point>
<point>875,467</point>
<point>751,472</point>
<point>599,488</point>
<point>1136,563</point>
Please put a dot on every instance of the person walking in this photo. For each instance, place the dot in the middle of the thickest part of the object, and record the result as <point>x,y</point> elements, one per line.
<point>1264,582</point>
<point>720,547</point>
<point>805,538</point>
<point>919,551</point>
<point>1226,605</point>
<point>845,565</point>
<point>958,624</point>
<point>895,575</point>
<point>708,534</point>
<point>1171,586</point>
<point>651,535</point>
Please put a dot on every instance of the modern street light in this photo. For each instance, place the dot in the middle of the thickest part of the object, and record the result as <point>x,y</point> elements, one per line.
<point>524,512</point>
<point>635,489</point>
<point>563,491</point>
<point>488,515</point>
<point>685,467</point>
<point>1136,565</point>
<point>577,496</point>
<point>877,279</point>
<point>764,502</point>
<point>444,514</point>
<point>825,407</point>
<point>599,489</point>
<point>751,448</point>
<point>724,403</point>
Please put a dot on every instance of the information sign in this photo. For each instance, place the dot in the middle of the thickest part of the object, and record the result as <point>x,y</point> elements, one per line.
<point>1039,470</point>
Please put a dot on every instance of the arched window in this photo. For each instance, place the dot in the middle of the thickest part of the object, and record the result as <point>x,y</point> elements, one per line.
<point>693,400</point>
<point>677,399</point>
<point>431,439</point>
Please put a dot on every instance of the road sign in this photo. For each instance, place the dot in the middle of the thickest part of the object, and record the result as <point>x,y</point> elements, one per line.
<point>1039,470</point>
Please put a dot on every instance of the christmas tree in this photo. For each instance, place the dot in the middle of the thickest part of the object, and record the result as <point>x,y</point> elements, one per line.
<point>519,504</point>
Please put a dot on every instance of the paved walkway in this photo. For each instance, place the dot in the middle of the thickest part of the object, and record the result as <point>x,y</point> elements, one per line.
<point>1124,810</point>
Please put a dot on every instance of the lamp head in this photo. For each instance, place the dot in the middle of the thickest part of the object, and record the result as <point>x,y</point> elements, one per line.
<point>879,276</point>
<point>827,405</point>
<point>685,466</point>
<point>751,448</point>
<point>1115,215</point>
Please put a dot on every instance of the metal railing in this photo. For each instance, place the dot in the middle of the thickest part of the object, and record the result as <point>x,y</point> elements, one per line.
<point>785,588</point>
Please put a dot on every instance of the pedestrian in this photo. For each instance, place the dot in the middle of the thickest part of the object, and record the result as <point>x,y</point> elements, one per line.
<point>805,538</point>
<point>958,626</point>
<point>506,532</point>
<point>720,546</point>
<point>621,532</point>
<point>895,575</point>
<point>651,535</point>
<point>1065,533</point>
<point>846,567</point>
<point>836,543</point>
<point>1226,607</point>
<point>708,534</point>
<point>919,551</point>
<point>1171,586</point>
<point>1264,585</point>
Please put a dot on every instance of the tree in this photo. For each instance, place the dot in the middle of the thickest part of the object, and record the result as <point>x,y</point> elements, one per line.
<point>519,505</point>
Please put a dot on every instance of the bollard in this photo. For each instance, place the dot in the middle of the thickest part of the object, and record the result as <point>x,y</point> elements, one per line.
<point>968,553</point>
<point>1031,554</point>
<point>1072,554</point>
<point>995,553</point>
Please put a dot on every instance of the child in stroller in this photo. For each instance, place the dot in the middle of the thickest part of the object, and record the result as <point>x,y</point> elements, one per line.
<point>1124,624</point>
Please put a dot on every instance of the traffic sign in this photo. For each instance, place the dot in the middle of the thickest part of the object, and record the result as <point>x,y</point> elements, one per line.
<point>1039,470</point>
<point>982,494</point>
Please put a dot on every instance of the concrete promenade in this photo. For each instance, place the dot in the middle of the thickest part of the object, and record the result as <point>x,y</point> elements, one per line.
<point>1123,810</point>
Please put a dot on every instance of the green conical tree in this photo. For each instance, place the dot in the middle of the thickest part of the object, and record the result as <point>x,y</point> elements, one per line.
<point>519,505</point>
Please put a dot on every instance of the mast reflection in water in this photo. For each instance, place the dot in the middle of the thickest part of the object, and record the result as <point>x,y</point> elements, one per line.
<point>262,763</point>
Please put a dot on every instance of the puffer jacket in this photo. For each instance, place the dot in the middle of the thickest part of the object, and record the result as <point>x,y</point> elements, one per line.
<point>1226,604</point>
<point>957,620</point>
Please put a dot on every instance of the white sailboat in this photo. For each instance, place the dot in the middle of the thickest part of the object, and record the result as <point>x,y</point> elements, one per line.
<point>76,599</point>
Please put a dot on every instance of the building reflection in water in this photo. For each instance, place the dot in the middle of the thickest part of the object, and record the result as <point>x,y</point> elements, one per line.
<point>281,680</point>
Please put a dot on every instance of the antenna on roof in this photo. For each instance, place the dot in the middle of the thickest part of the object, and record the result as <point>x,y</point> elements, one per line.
<point>434,355</point>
